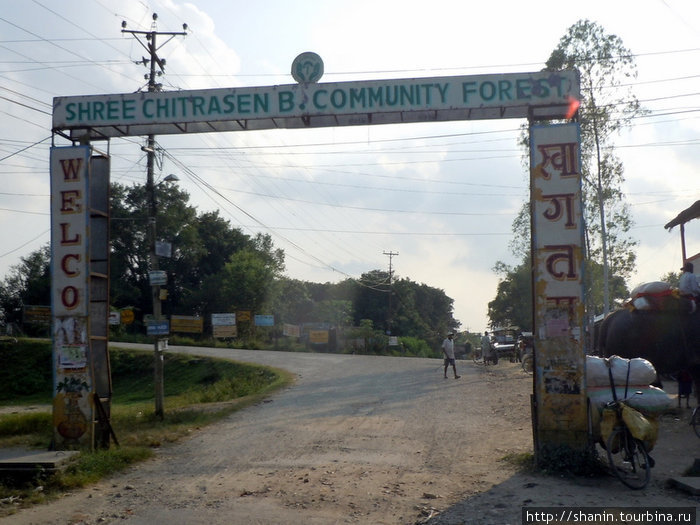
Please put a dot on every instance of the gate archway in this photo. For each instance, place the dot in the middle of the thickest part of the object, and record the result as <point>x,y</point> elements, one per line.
<point>80,214</point>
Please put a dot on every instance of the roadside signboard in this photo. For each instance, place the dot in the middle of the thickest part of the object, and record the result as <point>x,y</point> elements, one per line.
<point>224,331</point>
<point>187,324</point>
<point>318,336</point>
<point>127,316</point>
<point>291,330</point>
<point>224,325</point>
<point>157,278</point>
<point>228,319</point>
<point>161,327</point>
<point>37,315</point>
<point>264,320</point>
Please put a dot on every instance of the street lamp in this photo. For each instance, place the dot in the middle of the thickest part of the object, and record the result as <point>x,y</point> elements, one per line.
<point>156,281</point>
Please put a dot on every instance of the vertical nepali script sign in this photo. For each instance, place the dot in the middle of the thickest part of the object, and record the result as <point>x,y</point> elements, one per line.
<point>557,247</point>
<point>72,411</point>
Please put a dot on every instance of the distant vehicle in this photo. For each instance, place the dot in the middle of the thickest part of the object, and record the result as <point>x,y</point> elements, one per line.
<point>504,340</point>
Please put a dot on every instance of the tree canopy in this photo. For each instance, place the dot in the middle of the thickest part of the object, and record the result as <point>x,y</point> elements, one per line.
<point>607,106</point>
<point>216,268</point>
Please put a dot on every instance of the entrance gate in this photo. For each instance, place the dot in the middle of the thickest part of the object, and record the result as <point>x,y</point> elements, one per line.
<point>79,226</point>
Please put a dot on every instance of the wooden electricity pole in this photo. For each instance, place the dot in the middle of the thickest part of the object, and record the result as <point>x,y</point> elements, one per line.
<point>157,68</point>
<point>391,291</point>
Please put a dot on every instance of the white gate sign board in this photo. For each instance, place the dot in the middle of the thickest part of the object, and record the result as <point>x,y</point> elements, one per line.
<point>69,219</point>
<point>557,247</point>
<point>514,95</point>
<point>73,383</point>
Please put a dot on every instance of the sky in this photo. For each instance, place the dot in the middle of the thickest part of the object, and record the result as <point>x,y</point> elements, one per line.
<point>439,197</point>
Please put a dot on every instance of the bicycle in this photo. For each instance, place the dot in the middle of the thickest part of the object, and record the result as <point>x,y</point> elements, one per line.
<point>625,444</point>
<point>528,363</point>
<point>695,421</point>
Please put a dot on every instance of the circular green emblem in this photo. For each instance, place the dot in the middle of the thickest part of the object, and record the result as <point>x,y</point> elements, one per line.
<point>307,67</point>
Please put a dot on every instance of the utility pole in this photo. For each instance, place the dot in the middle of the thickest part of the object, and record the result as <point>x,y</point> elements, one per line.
<point>154,60</point>
<point>391,292</point>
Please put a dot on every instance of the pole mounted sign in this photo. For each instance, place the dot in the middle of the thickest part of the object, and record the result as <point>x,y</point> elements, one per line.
<point>541,95</point>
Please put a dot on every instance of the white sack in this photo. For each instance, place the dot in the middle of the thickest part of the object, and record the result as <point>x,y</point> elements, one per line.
<point>652,400</point>
<point>651,288</point>
<point>641,371</point>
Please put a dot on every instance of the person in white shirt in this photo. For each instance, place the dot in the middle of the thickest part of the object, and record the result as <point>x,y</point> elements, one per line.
<point>448,348</point>
<point>688,285</point>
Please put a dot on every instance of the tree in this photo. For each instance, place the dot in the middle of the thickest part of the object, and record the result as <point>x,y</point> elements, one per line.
<point>28,283</point>
<point>246,280</point>
<point>371,299</point>
<point>129,258</point>
<point>513,303</point>
<point>290,301</point>
<point>608,105</point>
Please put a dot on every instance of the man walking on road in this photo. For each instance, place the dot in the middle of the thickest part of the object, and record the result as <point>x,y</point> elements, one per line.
<point>448,348</point>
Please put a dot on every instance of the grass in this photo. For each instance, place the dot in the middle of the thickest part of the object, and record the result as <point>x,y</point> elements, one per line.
<point>198,392</point>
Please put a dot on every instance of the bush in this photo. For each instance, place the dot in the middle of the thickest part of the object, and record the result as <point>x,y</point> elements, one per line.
<point>27,370</point>
<point>416,347</point>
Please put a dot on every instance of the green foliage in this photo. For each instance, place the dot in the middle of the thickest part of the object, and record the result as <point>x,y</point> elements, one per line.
<point>195,380</point>
<point>414,347</point>
<point>672,278</point>
<point>91,467</point>
<point>25,423</point>
<point>28,283</point>
<point>608,105</point>
<point>217,268</point>
<point>199,391</point>
<point>513,303</point>
<point>28,372</point>
<point>192,380</point>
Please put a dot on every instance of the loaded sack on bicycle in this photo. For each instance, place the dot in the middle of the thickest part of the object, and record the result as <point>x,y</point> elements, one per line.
<point>624,414</point>
<point>628,382</point>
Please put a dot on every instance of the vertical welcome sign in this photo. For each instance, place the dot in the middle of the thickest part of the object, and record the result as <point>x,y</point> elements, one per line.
<point>557,255</point>
<point>73,406</point>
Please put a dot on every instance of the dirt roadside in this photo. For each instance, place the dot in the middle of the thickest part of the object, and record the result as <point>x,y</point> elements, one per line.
<point>361,439</point>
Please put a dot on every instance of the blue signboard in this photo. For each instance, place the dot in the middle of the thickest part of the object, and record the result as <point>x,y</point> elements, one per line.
<point>264,320</point>
<point>158,327</point>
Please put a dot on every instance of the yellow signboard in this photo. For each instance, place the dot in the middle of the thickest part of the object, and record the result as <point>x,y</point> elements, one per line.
<point>187,324</point>
<point>37,314</point>
<point>318,336</point>
<point>127,316</point>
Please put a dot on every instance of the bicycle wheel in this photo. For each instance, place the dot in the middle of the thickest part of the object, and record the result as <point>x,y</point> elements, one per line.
<point>528,363</point>
<point>628,459</point>
<point>695,421</point>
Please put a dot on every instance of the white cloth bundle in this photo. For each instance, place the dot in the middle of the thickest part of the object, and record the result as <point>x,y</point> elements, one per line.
<point>636,371</point>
